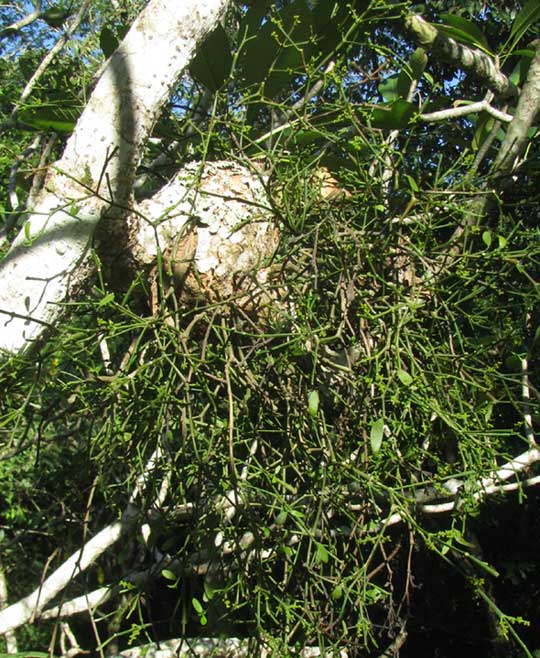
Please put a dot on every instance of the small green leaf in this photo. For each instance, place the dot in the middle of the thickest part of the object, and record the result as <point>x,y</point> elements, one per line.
<point>337,593</point>
<point>169,575</point>
<point>209,591</point>
<point>404,377</point>
<point>487,238</point>
<point>197,606</point>
<point>418,63</point>
<point>322,554</point>
<point>464,30</point>
<point>376,435</point>
<point>281,517</point>
<point>412,183</point>
<point>313,403</point>
<point>502,241</point>
<point>107,300</point>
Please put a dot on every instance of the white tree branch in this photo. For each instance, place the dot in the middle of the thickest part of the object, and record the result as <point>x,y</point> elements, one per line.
<point>230,647</point>
<point>24,21</point>
<point>489,485</point>
<point>31,606</point>
<point>464,110</point>
<point>11,638</point>
<point>97,168</point>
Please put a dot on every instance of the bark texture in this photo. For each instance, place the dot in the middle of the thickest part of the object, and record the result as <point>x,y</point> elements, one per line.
<point>470,59</point>
<point>214,230</point>
<point>95,174</point>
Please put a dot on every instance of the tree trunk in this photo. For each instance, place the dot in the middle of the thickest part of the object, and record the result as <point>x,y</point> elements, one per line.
<point>94,177</point>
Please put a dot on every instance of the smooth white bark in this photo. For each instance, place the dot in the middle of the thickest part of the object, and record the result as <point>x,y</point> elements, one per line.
<point>96,171</point>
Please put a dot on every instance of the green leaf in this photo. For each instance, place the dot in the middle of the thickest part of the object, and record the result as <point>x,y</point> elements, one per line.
<point>412,183</point>
<point>108,41</point>
<point>282,43</point>
<point>169,575</point>
<point>484,125</point>
<point>55,17</point>
<point>464,30</point>
<point>521,69</point>
<point>197,606</point>
<point>411,72</point>
<point>209,591</point>
<point>321,556</point>
<point>487,238</point>
<point>213,62</point>
<point>50,117</point>
<point>281,518</point>
<point>337,593</point>
<point>392,116</point>
<point>106,300</point>
<point>404,377</point>
<point>313,403</point>
<point>418,63</point>
<point>526,18</point>
<point>388,88</point>
<point>376,435</point>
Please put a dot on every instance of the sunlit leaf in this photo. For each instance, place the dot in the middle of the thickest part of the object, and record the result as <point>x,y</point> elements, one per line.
<point>464,30</point>
<point>197,606</point>
<point>526,18</point>
<point>321,556</point>
<point>313,403</point>
<point>376,435</point>
<point>50,117</point>
<point>404,377</point>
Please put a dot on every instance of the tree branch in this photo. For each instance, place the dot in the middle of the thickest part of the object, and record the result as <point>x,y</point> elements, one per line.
<point>22,22</point>
<point>96,171</point>
<point>526,112</point>
<point>31,606</point>
<point>229,647</point>
<point>470,59</point>
<point>464,110</point>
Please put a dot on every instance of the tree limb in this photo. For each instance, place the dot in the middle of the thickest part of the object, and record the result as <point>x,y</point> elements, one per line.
<point>464,110</point>
<point>22,22</point>
<point>526,112</point>
<point>96,171</point>
<point>31,606</point>
<point>470,59</point>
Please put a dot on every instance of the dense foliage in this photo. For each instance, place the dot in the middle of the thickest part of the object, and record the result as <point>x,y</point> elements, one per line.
<point>328,460</point>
